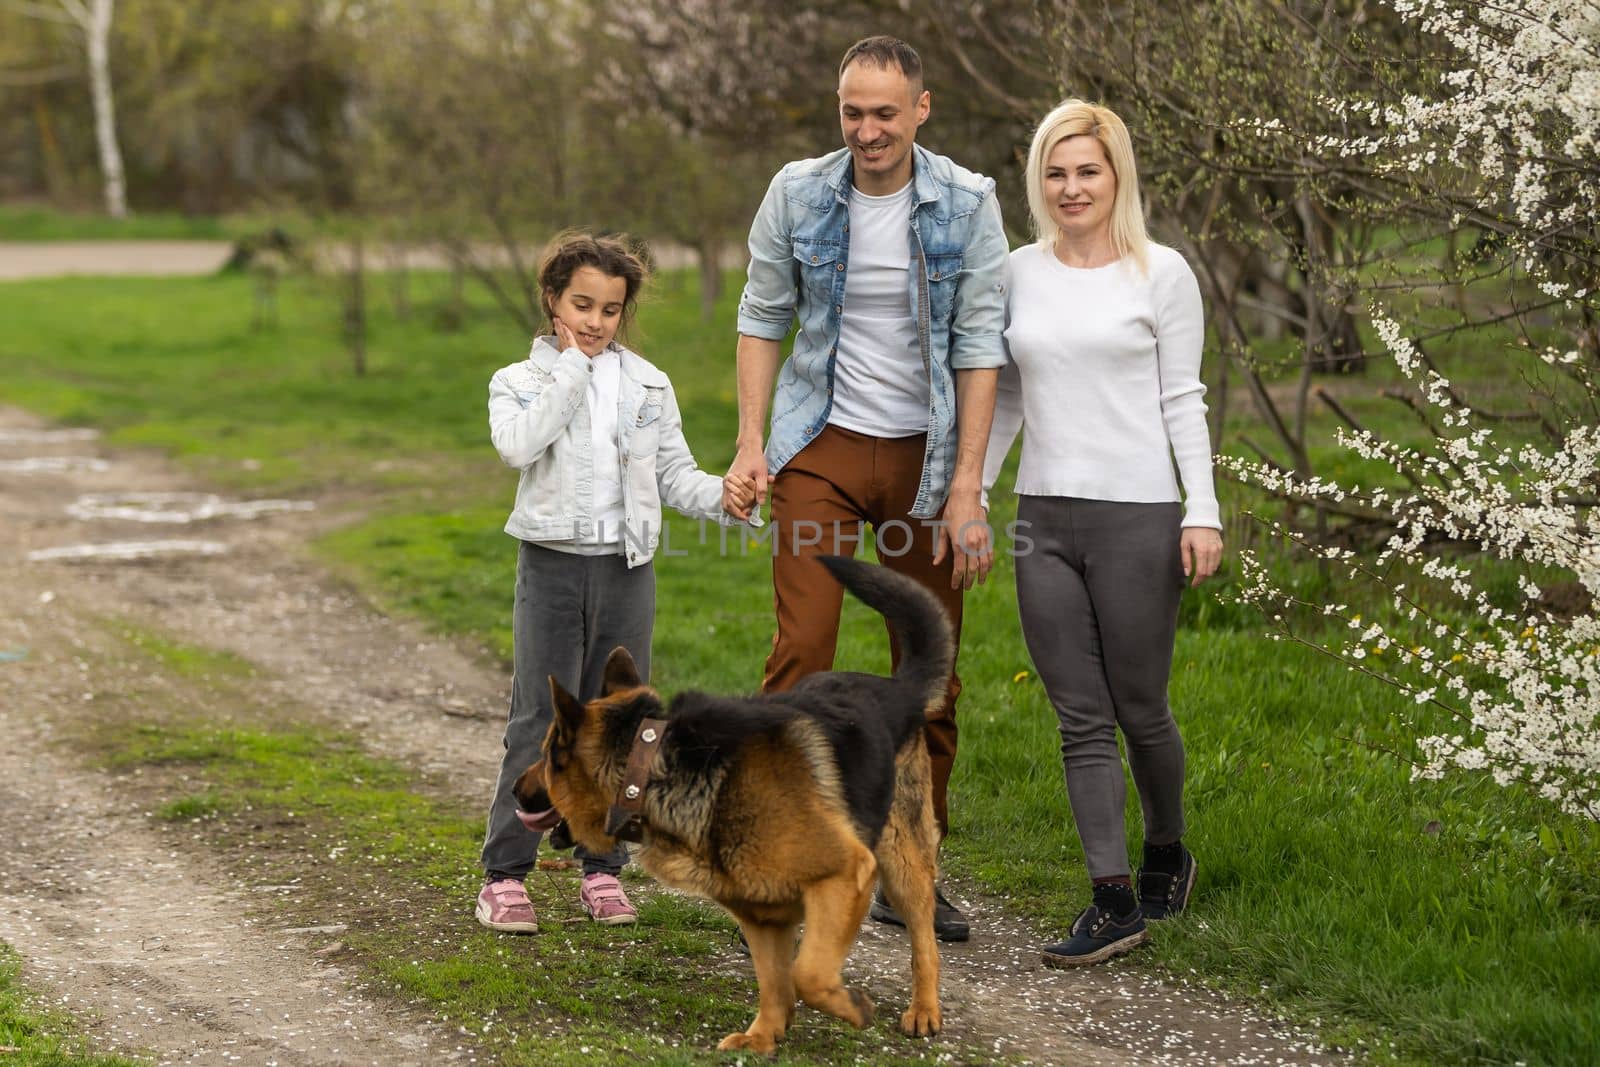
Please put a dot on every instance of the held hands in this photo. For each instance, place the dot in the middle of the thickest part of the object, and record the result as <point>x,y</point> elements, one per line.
<point>744,487</point>
<point>1201,550</point>
<point>964,533</point>
<point>739,497</point>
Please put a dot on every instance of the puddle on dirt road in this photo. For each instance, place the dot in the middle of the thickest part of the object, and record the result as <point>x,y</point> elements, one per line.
<point>127,550</point>
<point>175,508</point>
<point>52,465</point>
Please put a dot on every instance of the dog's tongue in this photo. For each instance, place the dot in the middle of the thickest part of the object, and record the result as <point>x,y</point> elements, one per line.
<point>539,821</point>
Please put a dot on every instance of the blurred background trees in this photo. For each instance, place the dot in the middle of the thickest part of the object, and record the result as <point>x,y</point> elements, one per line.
<point>479,127</point>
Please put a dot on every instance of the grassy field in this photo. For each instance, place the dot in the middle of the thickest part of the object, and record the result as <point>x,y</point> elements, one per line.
<point>1432,921</point>
<point>286,801</point>
<point>33,223</point>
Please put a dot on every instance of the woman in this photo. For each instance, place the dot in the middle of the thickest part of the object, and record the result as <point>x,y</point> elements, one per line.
<point>1105,331</point>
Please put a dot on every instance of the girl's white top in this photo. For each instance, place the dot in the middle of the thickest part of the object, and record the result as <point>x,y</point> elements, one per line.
<point>541,420</point>
<point>604,385</point>
<point>1104,381</point>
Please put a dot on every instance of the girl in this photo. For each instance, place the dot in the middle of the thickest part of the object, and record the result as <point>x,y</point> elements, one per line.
<point>595,430</point>
<point>1105,331</point>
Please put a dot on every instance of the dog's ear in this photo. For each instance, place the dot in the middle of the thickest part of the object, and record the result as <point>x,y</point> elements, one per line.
<point>620,673</point>
<point>569,713</point>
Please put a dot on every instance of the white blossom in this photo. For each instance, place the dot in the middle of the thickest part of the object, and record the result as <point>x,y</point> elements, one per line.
<point>1519,119</point>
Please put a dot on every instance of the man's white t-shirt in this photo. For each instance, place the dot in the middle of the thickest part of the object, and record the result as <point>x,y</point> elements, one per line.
<point>880,386</point>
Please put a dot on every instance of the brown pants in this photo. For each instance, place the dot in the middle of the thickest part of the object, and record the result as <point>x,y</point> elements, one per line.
<point>819,502</point>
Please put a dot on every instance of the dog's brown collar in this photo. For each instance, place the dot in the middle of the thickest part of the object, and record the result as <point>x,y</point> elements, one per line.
<point>625,820</point>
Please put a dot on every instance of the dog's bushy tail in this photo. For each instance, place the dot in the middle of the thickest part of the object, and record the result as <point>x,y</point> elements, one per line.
<point>927,650</point>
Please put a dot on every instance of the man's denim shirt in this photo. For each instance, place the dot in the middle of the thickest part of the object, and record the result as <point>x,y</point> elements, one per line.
<point>799,247</point>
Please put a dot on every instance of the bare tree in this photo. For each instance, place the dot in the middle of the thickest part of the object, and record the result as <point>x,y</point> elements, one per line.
<point>488,155</point>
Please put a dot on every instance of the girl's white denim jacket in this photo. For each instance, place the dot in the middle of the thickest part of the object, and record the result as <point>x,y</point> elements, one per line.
<point>539,422</point>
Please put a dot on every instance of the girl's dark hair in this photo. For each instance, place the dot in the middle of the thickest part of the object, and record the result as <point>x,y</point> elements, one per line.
<point>611,256</point>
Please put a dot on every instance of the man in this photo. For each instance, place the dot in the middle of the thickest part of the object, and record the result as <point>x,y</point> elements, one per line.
<point>893,259</point>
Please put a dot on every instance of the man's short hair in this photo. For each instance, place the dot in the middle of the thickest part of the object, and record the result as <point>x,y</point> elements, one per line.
<point>885,52</point>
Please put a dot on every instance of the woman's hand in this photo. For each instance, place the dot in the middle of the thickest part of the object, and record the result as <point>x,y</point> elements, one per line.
<point>964,534</point>
<point>1201,549</point>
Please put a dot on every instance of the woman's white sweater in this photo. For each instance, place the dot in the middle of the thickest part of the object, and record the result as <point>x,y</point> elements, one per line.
<point>1105,376</point>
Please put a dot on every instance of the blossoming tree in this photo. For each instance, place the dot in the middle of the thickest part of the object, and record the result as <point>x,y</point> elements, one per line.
<point>1506,146</point>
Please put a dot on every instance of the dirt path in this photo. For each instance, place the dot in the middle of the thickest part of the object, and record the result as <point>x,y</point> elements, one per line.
<point>122,924</point>
<point>54,259</point>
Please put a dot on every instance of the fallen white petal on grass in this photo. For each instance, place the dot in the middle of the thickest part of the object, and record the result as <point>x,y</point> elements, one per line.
<point>128,550</point>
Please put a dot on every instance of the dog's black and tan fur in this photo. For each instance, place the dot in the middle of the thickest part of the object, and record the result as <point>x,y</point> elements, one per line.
<point>785,809</point>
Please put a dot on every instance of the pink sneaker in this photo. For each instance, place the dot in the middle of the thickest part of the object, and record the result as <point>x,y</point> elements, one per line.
<point>504,905</point>
<point>602,894</point>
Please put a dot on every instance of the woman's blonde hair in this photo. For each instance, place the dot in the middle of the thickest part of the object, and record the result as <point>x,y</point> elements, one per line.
<point>1077,118</point>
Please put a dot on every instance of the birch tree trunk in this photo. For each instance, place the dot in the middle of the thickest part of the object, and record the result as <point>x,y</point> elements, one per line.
<point>96,23</point>
<point>93,19</point>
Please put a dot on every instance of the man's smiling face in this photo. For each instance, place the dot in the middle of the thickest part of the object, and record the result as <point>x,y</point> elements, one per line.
<point>879,112</point>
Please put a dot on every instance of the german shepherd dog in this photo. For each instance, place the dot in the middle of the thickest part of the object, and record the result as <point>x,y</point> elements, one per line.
<point>784,808</point>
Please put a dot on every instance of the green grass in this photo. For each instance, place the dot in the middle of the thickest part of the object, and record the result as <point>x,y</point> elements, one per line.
<point>1322,886</point>
<point>448,567</point>
<point>186,661</point>
<point>1322,890</point>
<point>33,223</point>
<point>287,803</point>
<point>34,1035</point>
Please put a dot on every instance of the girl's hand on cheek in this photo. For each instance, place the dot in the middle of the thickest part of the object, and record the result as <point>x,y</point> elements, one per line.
<point>564,335</point>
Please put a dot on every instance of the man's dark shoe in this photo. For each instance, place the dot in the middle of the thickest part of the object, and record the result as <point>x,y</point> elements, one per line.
<point>948,922</point>
<point>1097,935</point>
<point>1163,895</point>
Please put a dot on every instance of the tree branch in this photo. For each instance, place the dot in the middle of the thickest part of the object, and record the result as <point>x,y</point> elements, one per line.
<point>78,12</point>
<point>42,11</point>
<point>1326,397</point>
<point>1016,106</point>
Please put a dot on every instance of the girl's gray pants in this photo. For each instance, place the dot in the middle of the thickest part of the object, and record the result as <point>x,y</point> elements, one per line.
<point>570,612</point>
<point>1098,592</point>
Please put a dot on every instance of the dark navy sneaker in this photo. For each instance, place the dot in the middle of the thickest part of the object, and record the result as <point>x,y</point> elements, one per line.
<point>948,922</point>
<point>1163,895</point>
<point>1097,934</point>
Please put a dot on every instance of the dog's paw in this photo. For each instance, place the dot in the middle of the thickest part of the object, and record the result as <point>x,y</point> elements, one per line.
<point>764,1044</point>
<point>921,1022</point>
<point>862,1005</point>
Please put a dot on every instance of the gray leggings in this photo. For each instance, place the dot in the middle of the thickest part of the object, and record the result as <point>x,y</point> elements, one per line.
<point>570,612</point>
<point>1098,593</point>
